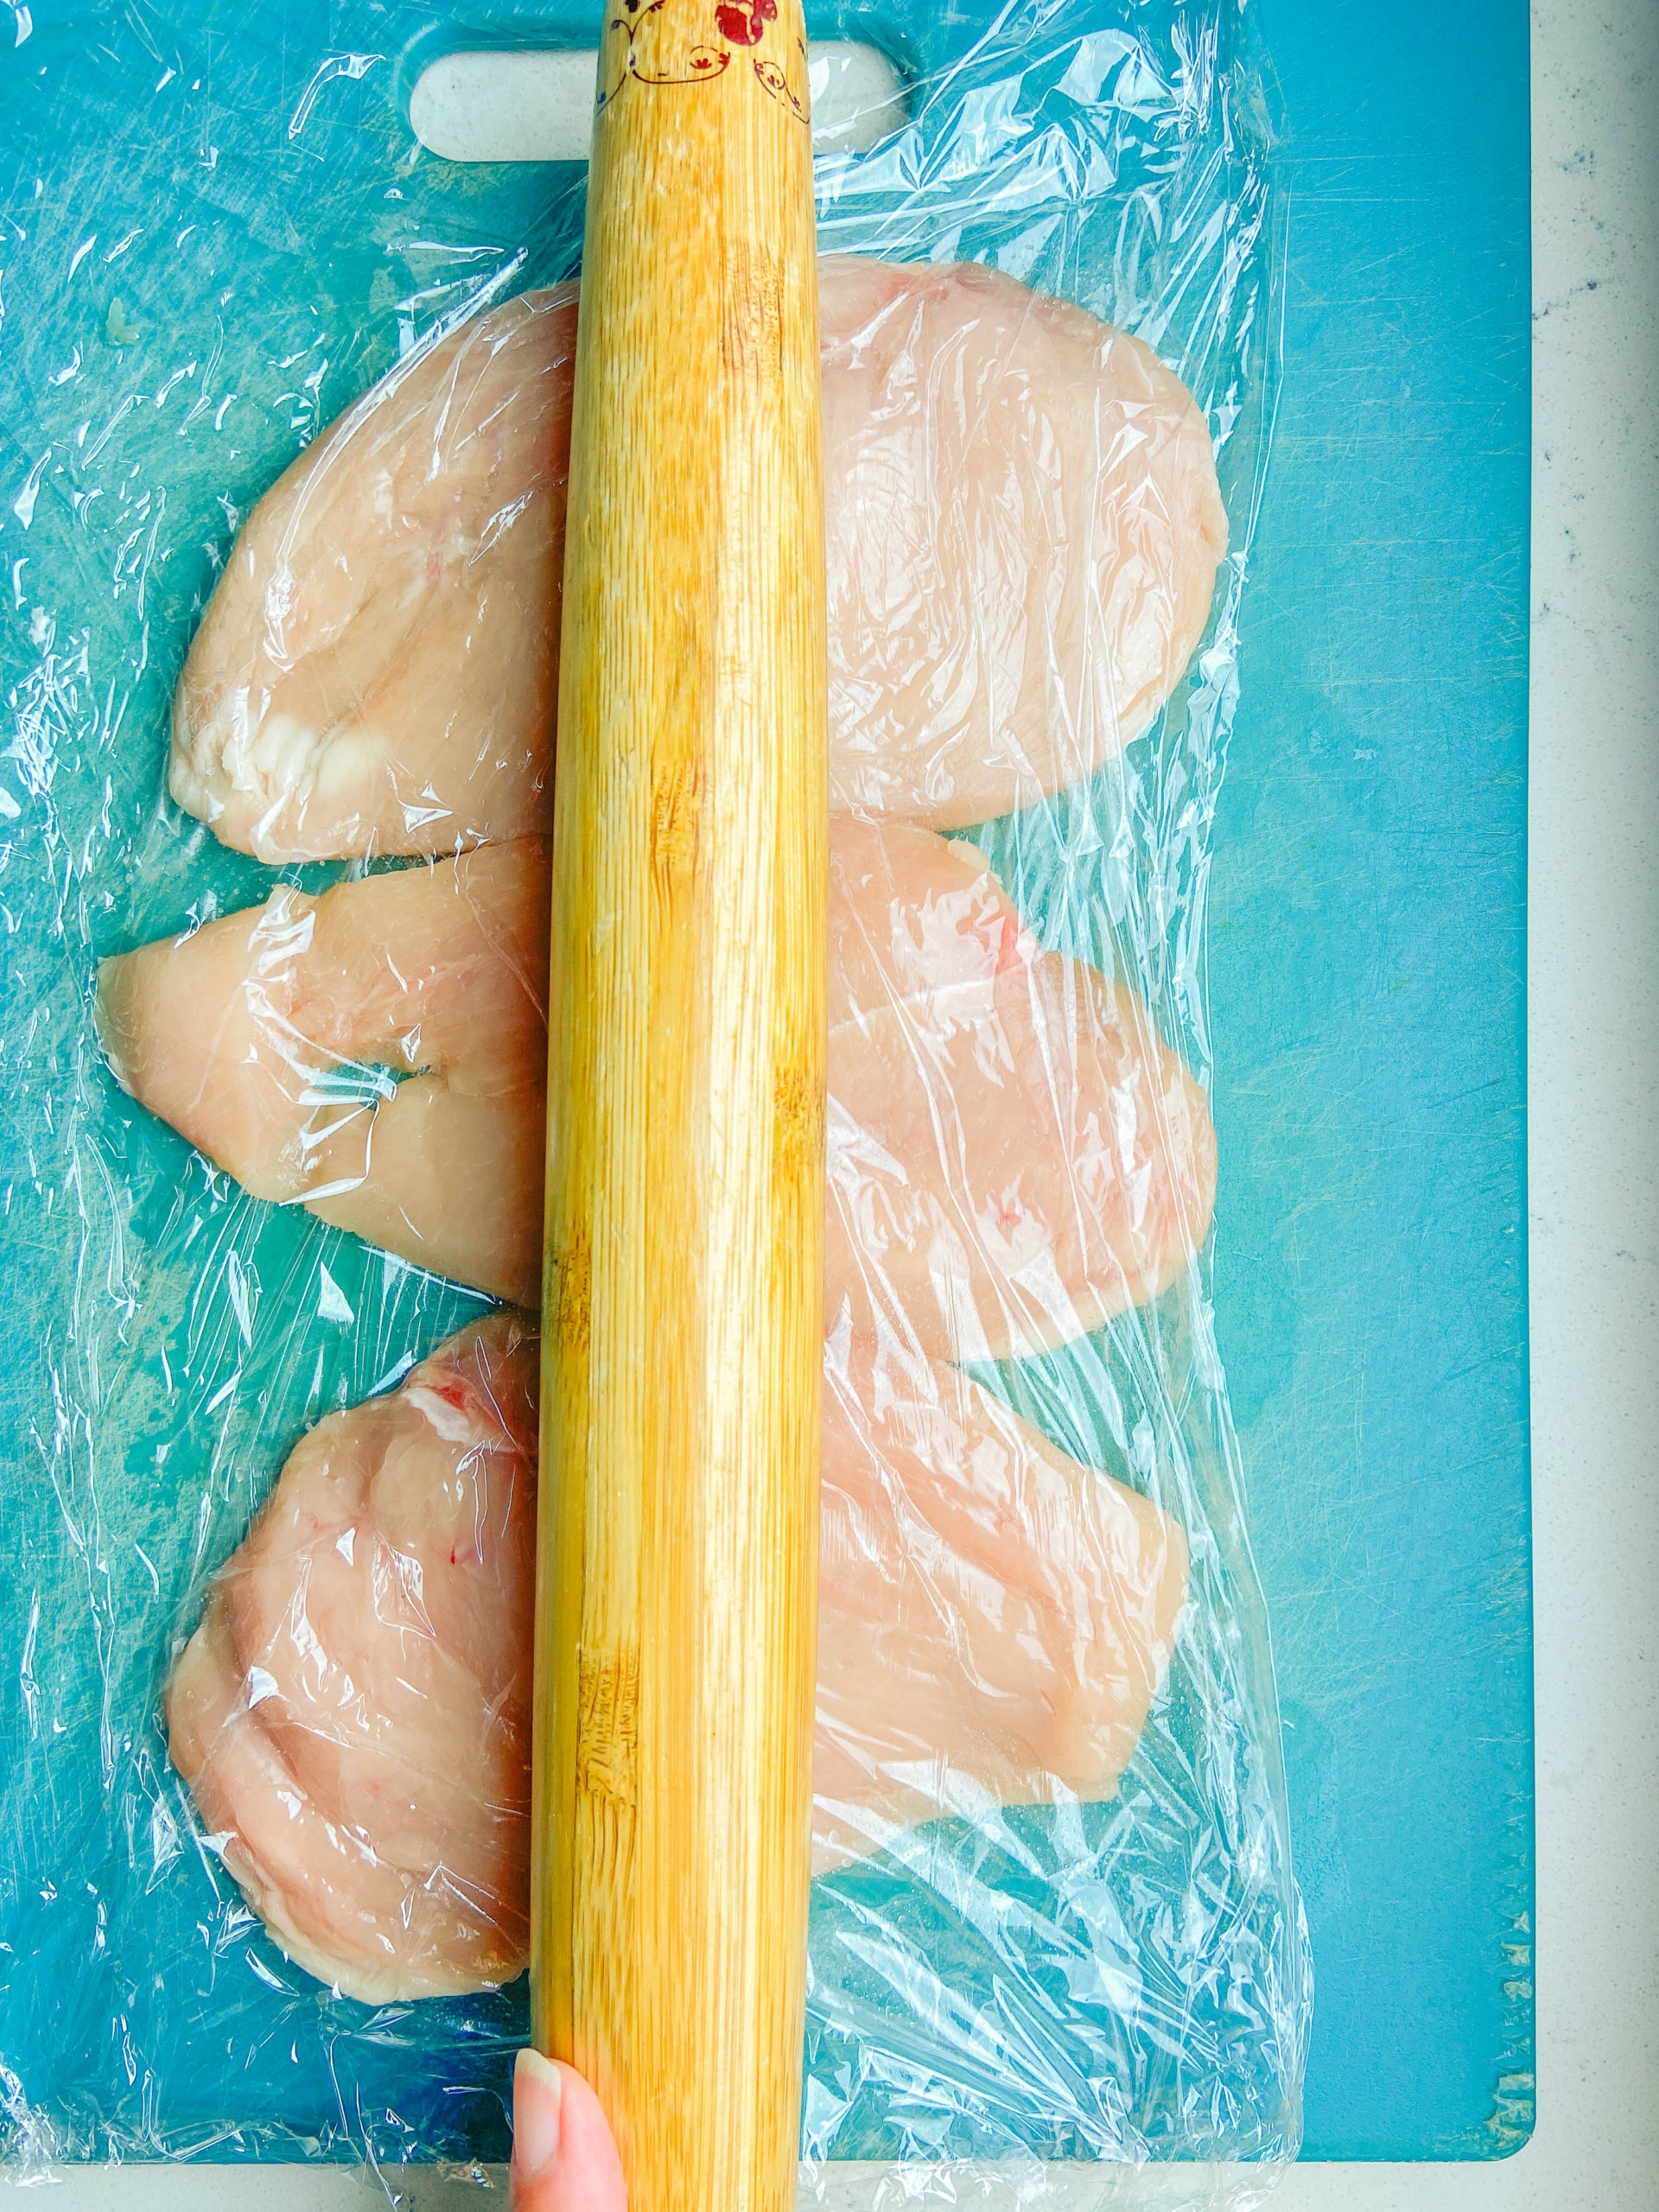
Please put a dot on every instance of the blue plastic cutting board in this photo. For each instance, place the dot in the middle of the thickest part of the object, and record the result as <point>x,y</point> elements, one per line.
<point>1366,975</point>
<point>1367,951</point>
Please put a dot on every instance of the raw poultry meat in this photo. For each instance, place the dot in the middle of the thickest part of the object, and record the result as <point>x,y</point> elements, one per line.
<point>1023,528</point>
<point>352,1713</point>
<point>377,1053</point>
<point>377,668</point>
<point>1012,1153</point>
<point>993,1620</point>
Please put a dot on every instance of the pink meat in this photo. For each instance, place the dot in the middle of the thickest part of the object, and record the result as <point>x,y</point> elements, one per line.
<point>1012,1153</point>
<point>377,668</point>
<point>994,1620</point>
<point>1023,528</point>
<point>351,1714</point>
<point>379,1054</point>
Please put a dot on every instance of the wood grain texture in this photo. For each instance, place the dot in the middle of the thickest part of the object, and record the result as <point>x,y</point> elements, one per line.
<point>678,1569</point>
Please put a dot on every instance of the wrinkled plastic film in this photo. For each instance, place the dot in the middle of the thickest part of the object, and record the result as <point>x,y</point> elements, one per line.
<point>276,1096</point>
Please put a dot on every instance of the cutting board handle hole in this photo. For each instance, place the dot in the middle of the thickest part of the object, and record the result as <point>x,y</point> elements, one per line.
<point>536,104</point>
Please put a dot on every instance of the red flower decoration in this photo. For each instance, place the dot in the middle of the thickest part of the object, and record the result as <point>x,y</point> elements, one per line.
<point>743,23</point>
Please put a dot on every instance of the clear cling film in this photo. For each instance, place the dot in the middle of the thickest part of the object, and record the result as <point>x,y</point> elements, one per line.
<point>286,446</point>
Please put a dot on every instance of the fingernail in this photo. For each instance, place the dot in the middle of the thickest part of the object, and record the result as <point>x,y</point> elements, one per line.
<point>537,2090</point>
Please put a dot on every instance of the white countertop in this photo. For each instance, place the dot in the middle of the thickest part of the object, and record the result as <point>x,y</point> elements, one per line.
<point>1594,1077</point>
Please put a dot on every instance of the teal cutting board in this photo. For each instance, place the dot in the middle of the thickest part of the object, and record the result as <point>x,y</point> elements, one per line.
<point>1366,978</point>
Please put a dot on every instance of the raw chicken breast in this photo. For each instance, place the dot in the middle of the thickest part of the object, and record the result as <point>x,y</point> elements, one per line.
<point>1023,529</point>
<point>377,669</point>
<point>352,1715</point>
<point>1023,537</point>
<point>994,1621</point>
<point>378,1054</point>
<point>1012,1153</point>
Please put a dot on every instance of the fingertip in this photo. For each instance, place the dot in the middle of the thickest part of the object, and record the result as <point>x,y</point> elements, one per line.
<point>589,2152</point>
<point>564,2159</point>
<point>538,2099</point>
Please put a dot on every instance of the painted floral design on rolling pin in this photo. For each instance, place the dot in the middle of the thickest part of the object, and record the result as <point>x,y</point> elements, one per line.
<point>741,25</point>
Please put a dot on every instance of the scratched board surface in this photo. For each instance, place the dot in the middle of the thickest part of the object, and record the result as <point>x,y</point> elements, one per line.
<point>1366,970</point>
<point>1365,974</point>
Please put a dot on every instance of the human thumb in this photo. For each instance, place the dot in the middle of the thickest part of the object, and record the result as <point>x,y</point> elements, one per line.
<point>563,2156</point>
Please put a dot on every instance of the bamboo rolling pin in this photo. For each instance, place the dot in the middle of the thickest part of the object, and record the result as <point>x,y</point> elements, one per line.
<point>677,1574</point>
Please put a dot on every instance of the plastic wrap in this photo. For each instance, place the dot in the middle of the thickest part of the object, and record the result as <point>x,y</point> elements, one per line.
<point>276,791</point>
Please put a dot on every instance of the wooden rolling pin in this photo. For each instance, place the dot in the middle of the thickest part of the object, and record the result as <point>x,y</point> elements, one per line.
<point>676,1608</point>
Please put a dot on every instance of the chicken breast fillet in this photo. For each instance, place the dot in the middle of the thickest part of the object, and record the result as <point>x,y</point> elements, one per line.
<point>1023,528</point>
<point>1012,1153</point>
<point>376,670</point>
<point>352,1713</point>
<point>378,1054</point>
